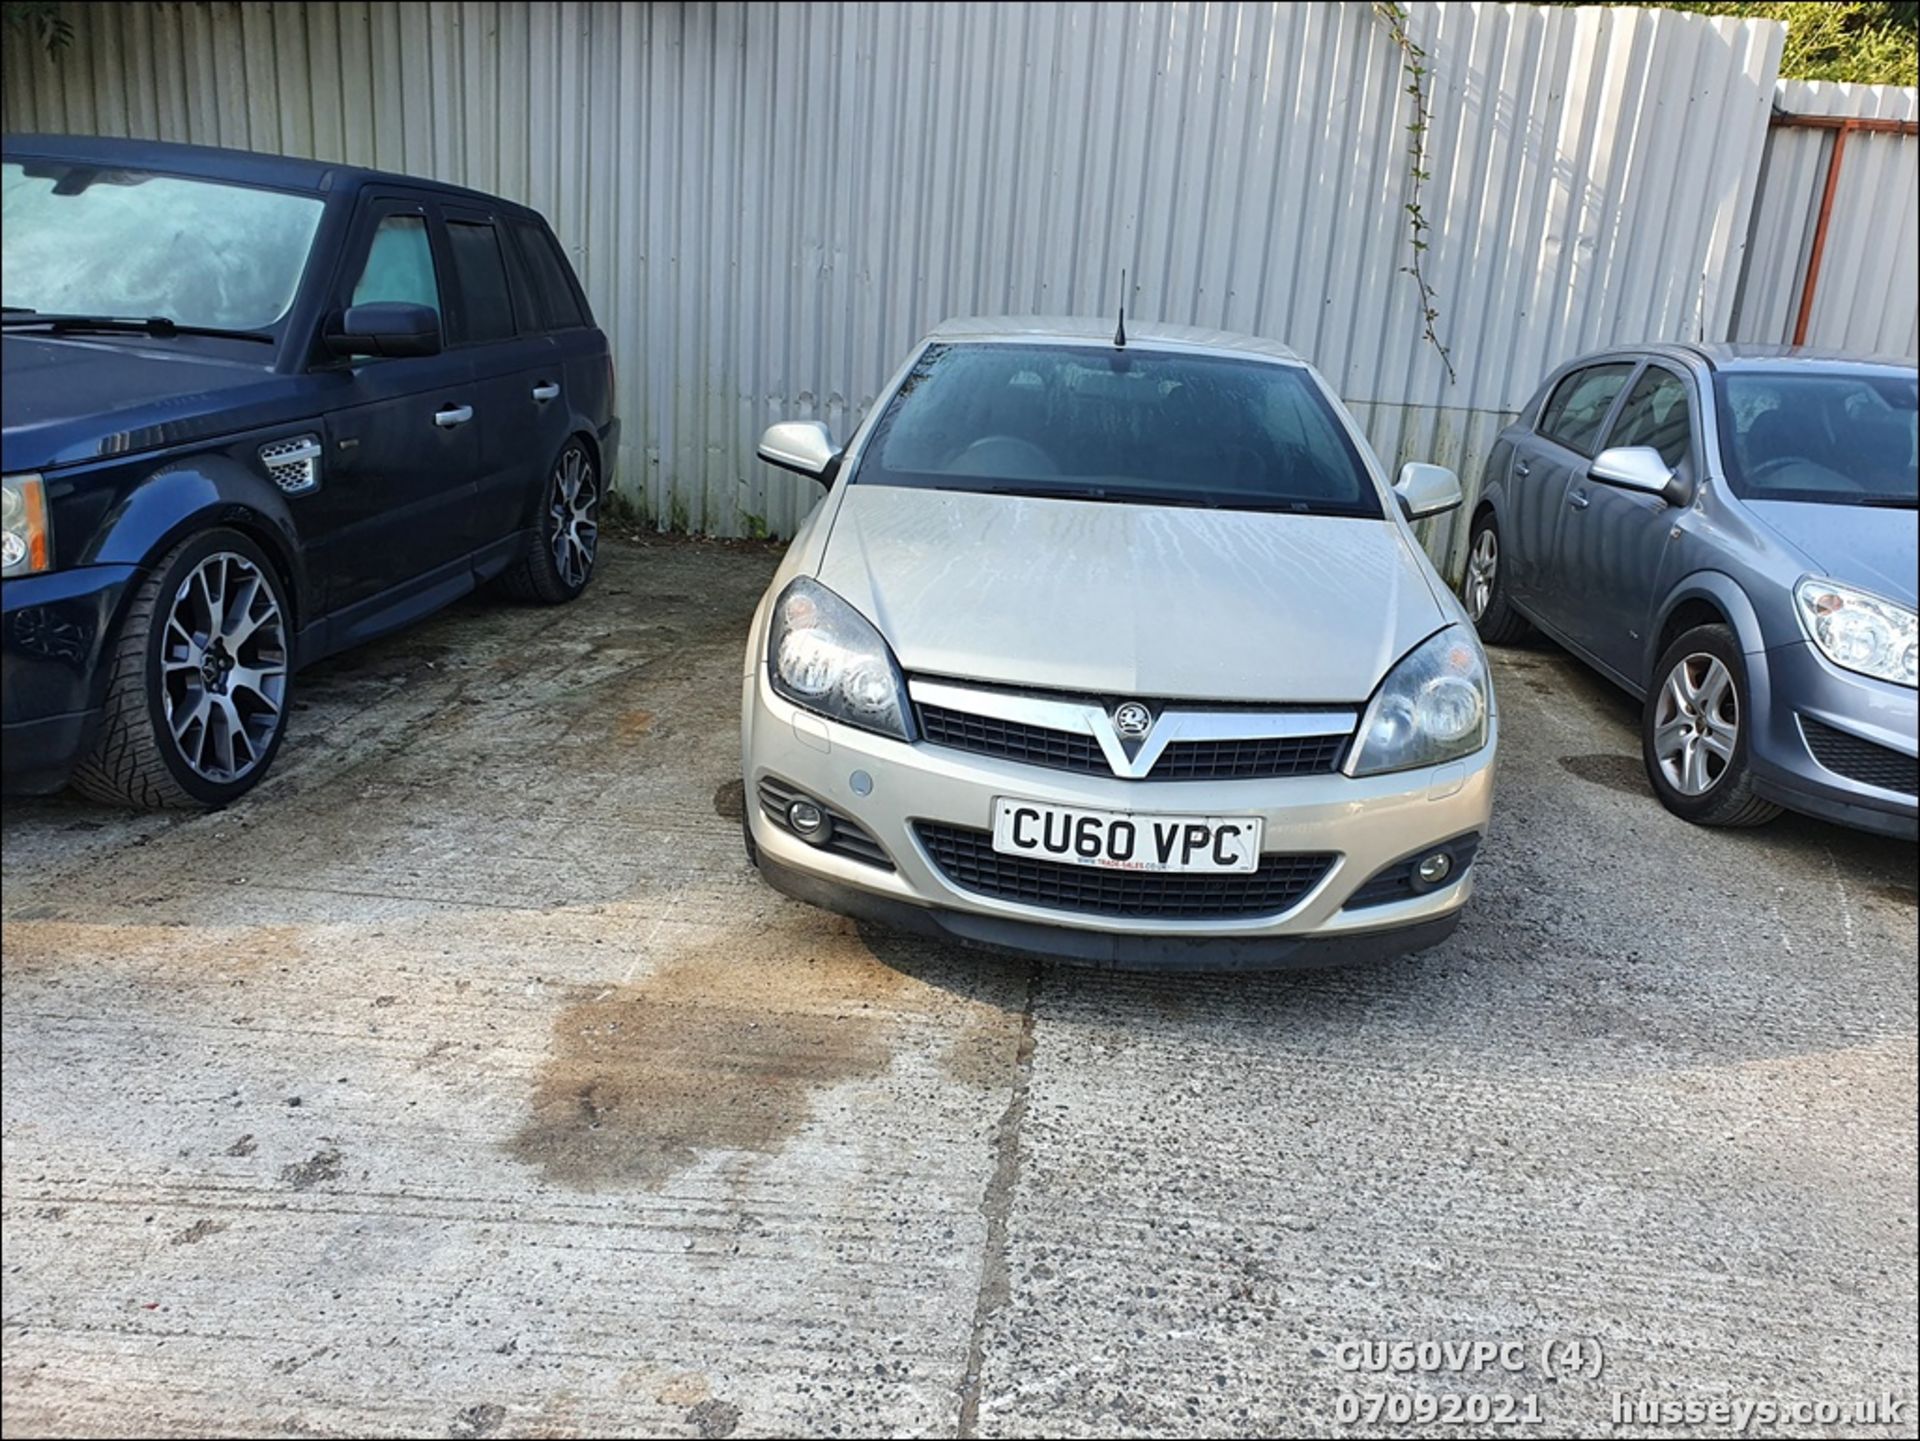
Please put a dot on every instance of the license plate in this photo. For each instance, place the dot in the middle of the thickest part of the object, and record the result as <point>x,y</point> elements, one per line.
<point>1115,840</point>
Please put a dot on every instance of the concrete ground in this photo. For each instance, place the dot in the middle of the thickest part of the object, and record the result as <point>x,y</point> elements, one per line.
<point>464,1080</point>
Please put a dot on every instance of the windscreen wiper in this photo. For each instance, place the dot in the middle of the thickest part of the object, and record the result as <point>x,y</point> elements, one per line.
<point>1100,494</point>
<point>159,326</point>
<point>1889,502</point>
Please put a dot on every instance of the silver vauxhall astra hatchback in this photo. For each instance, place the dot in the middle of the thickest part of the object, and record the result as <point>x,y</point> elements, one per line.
<point>1117,649</point>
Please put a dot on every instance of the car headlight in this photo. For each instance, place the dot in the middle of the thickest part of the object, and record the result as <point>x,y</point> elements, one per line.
<point>28,544</point>
<point>1432,707</point>
<point>827,657</point>
<point>1857,631</point>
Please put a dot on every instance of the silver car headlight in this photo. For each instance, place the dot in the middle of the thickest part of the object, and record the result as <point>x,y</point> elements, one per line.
<point>27,543</point>
<point>825,656</point>
<point>1432,707</point>
<point>1857,631</point>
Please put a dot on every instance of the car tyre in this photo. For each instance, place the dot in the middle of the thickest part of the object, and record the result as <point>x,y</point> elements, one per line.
<point>1484,589</point>
<point>199,680</point>
<point>1696,735</point>
<point>564,537</point>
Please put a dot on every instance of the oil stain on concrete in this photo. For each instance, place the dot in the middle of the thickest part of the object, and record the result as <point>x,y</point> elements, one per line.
<point>720,1050</point>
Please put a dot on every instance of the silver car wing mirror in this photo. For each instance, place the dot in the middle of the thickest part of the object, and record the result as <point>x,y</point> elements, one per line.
<point>803,446</point>
<point>1637,467</point>
<point>1425,490</point>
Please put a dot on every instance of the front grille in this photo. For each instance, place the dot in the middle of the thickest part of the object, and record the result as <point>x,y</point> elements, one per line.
<point>1211,760</point>
<point>968,859</point>
<point>1861,760</point>
<point>1250,759</point>
<point>847,838</point>
<point>1011,740</point>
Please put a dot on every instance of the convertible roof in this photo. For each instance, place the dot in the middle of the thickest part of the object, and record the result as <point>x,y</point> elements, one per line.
<point>1098,330</point>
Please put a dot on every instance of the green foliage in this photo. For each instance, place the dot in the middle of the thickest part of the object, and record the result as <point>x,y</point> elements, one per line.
<point>39,20</point>
<point>1873,42</point>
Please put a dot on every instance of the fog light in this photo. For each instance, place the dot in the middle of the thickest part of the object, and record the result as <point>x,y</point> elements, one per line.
<point>1432,870</point>
<point>809,822</point>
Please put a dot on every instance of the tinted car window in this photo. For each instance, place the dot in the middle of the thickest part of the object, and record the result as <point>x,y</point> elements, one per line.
<point>1134,425</point>
<point>1656,414</point>
<point>85,241</point>
<point>1835,438</point>
<point>1578,407</point>
<point>556,306</point>
<point>486,307</point>
<point>399,265</point>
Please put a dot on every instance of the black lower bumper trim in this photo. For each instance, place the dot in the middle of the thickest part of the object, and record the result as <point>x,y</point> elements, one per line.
<point>41,754</point>
<point>1106,950</point>
<point>1883,818</point>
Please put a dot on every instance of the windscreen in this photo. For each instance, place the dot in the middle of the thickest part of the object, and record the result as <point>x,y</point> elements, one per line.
<point>82,240</point>
<point>1834,438</point>
<point>1104,424</point>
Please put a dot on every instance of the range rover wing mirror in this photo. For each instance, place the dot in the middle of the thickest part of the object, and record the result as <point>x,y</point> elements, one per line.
<point>387,328</point>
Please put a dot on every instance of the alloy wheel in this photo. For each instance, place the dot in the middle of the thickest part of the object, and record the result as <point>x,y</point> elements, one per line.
<point>223,667</point>
<point>1696,724</point>
<point>573,506</point>
<point>1483,564</point>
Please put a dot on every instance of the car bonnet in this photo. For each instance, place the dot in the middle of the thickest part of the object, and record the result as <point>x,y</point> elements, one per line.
<point>1147,600</point>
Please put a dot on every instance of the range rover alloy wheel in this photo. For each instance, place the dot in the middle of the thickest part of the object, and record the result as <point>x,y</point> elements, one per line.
<point>200,682</point>
<point>565,539</point>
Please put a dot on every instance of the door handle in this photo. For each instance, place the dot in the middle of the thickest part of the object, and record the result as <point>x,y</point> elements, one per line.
<point>545,391</point>
<point>1521,468</point>
<point>449,416</point>
<point>1579,500</point>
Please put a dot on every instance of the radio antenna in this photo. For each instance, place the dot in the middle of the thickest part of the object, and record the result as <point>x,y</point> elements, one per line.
<point>1120,331</point>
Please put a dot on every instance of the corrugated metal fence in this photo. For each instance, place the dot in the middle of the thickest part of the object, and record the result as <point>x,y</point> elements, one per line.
<point>1868,292</point>
<point>769,202</point>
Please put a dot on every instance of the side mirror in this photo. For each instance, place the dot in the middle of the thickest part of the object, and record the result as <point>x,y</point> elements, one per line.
<point>1638,467</point>
<point>388,328</point>
<point>804,447</point>
<point>1425,490</point>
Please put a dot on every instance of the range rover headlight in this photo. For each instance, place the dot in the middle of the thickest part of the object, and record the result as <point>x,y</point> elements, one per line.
<point>1857,631</point>
<point>1432,707</point>
<point>824,655</point>
<point>27,546</point>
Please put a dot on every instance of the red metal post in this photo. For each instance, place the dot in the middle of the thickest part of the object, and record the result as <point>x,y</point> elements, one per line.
<point>1819,249</point>
<point>1841,126</point>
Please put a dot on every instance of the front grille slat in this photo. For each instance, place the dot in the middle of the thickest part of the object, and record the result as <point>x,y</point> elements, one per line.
<point>1861,760</point>
<point>1200,760</point>
<point>1011,740</point>
<point>967,858</point>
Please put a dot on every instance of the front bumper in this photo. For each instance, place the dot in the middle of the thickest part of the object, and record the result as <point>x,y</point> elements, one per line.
<point>54,629</point>
<point>1805,692</point>
<point>1365,825</point>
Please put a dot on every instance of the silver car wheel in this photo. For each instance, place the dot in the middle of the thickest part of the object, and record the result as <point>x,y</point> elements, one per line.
<point>573,504</point>
<point>1483,564</point>
<point>1696,724</point>
<point>223,667</point>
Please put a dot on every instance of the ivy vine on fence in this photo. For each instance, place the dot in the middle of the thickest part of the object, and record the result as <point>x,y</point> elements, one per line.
<point>1413,63</point>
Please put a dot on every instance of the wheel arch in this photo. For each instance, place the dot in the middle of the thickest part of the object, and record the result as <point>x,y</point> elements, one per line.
<point>1704,598</point>
<point>192,494</point>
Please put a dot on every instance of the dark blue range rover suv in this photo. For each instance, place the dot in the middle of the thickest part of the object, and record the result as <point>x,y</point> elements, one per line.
<point>257,410</point>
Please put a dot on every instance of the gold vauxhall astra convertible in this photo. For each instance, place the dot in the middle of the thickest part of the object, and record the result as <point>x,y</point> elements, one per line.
<point>1120,650</point>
